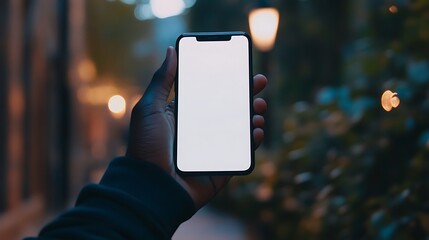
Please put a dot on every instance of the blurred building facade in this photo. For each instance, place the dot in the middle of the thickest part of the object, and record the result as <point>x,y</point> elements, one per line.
<point>36,114</point>
<point>57,75</point>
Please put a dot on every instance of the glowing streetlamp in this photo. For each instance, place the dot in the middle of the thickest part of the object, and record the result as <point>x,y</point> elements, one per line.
<point>263,24</point>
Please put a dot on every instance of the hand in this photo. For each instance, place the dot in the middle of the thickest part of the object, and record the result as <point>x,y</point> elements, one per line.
<point>152,131</point>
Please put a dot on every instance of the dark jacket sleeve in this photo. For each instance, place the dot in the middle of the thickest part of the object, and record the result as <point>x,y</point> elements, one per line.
<point>134,200</point>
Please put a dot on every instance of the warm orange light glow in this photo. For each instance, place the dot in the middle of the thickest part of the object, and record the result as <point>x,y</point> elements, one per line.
<point>117,105</point>
<point>87,70</point>
<point>395,101</point>
<point>389,100</point>
<point>263,23</point>
<point>393,9</point>
<point>96,95</point>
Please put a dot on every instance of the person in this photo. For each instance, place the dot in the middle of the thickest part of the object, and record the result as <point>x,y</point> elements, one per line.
<point>140,195</point>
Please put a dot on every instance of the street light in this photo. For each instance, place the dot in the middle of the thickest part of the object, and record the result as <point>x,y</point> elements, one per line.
<point>263,24</point>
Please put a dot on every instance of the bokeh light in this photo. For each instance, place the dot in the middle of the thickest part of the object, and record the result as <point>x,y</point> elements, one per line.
<point>167,8</point>
<point>389,100</point>
<point>263,23</point>
<point>393,9</point>
<point>87,70</point>
<point>143,11</point>
<point>117,105</point>
<point>146,10</point>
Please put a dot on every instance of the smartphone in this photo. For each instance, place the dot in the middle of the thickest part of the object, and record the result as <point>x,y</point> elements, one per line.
<point>214,107</point>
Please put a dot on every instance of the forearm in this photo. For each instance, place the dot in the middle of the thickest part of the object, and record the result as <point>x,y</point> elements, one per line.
<point>134,200</point>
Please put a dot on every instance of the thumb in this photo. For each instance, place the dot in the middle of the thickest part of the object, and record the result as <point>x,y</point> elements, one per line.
<point>159,88</point>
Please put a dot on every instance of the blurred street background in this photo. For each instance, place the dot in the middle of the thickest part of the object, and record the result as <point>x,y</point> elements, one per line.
<point>346,154</point>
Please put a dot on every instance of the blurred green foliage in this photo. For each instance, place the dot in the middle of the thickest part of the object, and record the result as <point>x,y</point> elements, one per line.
<point>342,167</point>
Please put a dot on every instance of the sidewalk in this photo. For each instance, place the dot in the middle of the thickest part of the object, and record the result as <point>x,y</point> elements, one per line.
<point>208,224</point>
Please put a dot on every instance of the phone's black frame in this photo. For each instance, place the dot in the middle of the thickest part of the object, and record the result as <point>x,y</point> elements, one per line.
<point>216,36</point>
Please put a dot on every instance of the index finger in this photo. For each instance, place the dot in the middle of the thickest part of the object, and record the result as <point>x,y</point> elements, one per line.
<point>158,90</point>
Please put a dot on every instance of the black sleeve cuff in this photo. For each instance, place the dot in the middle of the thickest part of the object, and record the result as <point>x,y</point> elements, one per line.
<point>154,193</point>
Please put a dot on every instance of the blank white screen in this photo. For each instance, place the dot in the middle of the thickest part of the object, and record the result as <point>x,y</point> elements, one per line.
<point>213,128</point>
